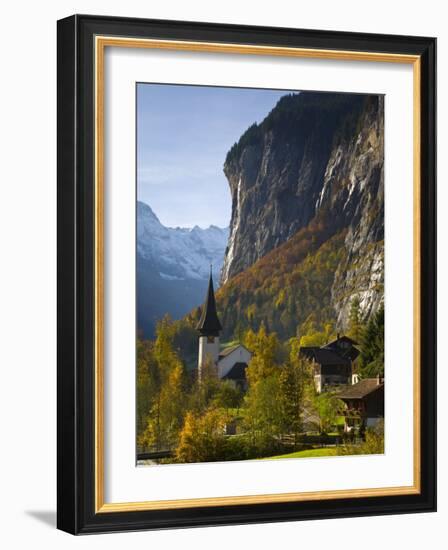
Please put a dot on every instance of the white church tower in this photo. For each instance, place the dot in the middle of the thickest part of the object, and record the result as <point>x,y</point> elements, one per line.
<point>209,328</point>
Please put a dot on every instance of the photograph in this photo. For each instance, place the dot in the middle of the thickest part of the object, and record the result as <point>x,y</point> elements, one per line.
<point>223,275</point>
<point>259,274</point>
<point>246,254</point>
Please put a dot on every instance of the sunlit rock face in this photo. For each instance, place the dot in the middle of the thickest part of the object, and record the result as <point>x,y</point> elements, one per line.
<point>315,156</point>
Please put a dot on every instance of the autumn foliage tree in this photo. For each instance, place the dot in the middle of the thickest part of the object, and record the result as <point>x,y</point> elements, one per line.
<point>166,401</point>
<point>275,398</point>
<point>147,383</point>
<point>285,287</point>
<point>190,416</point>
<point>310,335</point>
<point>202,437</point>
<point>263,409</point>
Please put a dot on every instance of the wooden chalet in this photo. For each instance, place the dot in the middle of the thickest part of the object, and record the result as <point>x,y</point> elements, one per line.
<point>364,403</point>
<point>333,363</point>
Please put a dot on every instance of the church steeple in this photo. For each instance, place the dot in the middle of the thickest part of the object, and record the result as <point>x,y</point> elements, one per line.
<point>209,324</point>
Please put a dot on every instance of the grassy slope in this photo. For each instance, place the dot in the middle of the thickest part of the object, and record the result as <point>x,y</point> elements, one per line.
<point>310,453</point>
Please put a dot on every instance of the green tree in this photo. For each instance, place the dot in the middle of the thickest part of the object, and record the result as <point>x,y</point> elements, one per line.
<point>373,444</point>
<point>355,324</point>
<point>372,347</point>
<point>317,338</point>
<point>266,352</point>
<point>185,337</point>
<point>263,415</point>
<point>263,408</point>
<point>205,388</point>
<point>292,389</point>
<point>228,396</point>
<point>327,407</point>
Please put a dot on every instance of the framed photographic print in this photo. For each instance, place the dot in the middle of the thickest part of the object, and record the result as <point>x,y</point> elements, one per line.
<point>246,274</point>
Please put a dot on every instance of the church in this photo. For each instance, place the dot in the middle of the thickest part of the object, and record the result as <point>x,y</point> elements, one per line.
<point>230,362</point>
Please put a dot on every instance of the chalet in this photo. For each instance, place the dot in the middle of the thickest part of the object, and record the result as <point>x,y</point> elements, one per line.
<point>364,403</point>
<point>333,363</point>
<point>230,362</point>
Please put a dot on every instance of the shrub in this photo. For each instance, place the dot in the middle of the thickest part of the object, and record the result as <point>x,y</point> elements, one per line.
<point>202,438</point>
<point>373,444</point>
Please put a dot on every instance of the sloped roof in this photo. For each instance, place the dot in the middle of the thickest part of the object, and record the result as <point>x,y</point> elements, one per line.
<point>324,356</point>
<point>227,351</point>
<point>209,324</point>
<point>332,353</point>
<point>361,389</point>
<point>351,352</point>
<point>237,372</point>
<point>344,338</point>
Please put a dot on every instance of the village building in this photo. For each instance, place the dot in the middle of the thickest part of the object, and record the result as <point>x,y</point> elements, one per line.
<point>364,403</point>
<point>230,362</point>
<point>333,364</point>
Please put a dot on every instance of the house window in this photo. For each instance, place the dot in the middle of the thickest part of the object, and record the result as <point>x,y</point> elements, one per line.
<point>210,339</point>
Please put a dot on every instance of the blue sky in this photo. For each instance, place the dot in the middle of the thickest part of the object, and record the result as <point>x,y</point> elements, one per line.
<point>183,136</point>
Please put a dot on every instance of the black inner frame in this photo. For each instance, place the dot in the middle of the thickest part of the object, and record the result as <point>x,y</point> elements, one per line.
<point>76,444</point>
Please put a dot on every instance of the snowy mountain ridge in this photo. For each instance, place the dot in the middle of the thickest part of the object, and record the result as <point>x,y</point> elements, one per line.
<point>179,253</point>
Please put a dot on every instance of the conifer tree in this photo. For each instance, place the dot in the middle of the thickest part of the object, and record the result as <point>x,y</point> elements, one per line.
<point>292,384</point>
<point>355,325</point>
<point>372,346</point>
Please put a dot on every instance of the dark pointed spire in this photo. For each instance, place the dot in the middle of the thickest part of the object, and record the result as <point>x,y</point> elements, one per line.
<point>209,324</point>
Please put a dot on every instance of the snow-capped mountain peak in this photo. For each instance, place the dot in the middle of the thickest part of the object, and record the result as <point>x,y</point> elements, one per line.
<point>179,253</point>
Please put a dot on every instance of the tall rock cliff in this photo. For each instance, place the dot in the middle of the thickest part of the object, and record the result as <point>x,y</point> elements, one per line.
<point>315,161</point>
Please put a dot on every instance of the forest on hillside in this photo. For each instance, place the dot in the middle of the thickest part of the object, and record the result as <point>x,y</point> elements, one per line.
<point>190,418</point>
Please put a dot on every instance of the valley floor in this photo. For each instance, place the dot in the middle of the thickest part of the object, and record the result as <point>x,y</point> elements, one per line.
<point>309,453</point>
